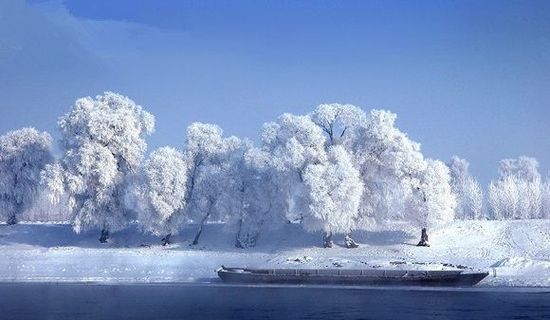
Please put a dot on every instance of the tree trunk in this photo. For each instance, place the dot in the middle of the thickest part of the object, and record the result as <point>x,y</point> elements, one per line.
<point>199,231</point>
<point>104,236</point>
<point>423,239</point>
<point>11,220</point>
<point>166,239</point>
<point>239,242</point>
<point>327,239</point>
<point>349,242</point>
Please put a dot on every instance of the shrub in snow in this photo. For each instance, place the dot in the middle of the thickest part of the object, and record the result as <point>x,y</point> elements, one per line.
<point>161,192</point>
<point>466,189</point>
<point>103,143</point>
<point>23,155</point>
<point>519,193</point>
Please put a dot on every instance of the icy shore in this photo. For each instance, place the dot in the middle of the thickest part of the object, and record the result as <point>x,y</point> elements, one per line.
<point>516,253</point>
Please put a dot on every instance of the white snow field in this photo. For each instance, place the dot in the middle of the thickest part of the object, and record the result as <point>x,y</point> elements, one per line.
<point>516,253</point>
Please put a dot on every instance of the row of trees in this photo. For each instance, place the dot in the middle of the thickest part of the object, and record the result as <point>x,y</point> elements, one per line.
<point>334,170</point>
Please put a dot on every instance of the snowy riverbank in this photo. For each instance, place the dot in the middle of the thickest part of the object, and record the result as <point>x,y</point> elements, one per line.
<point>517,251</point>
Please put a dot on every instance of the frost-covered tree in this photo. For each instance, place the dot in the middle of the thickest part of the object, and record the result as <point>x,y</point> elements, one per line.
<point>161,192</point>
<point>103,143</point>
<point>545,200</point>
<point>390,165</point>
<point>23,155</point>
<point>338,121</point>
<point>524,168</point>
<point>314,169</point>
<point>432,202</point>
<point>467,190</point>
<point>292,143</point>
<point>518,193</point>
<point>334,191</point>
<point>208,155</point>
<point>252,196</point>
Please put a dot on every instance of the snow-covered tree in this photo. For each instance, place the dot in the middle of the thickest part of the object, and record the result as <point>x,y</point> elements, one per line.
<point>291,144</point>
<point>432,202</point>
<point>103,143</point>
<point>252,196</point>
<point>518,193</point>
<point>23,155</point>
<point>545,200</point>
<point>334,191</point>
<point>524,168</point>
<point>208,155</point>
<point>314,169</point>
<point>338,121</point>
<point>161,192</point>
<point>467,190</point>
<point>390,165</point>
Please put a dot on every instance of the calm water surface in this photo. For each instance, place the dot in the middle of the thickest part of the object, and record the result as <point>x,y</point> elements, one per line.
<point>216,301</point>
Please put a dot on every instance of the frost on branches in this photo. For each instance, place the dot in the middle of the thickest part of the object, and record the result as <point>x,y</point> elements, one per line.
<point>433,202</point>
<point>252,197</point>
<point>519,192</point>
<point>334,192</point>
<point>209,157</point>
<point>467,190</point>
<point>103,143</point>
<point>161,192</point>
<point>389,164</point>
<point>23,155</point>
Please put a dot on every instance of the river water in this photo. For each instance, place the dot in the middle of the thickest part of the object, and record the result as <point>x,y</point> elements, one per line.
<point>218,301</point>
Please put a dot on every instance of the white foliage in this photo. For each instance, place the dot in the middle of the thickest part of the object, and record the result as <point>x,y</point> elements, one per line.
<point>338,120</point>
<point>252,196</point>
<point>433,203</point>
<point>103,143</point>
<point>519,193</point>
<point>161,191</point>
<point>23,155</point>
<point>524,168</point>
<point>515,198</point>
<point>209,156</point>
<point>291,144</point>
<point>334,190</point>
<point>390,165</point>
<point>466,189</point>
<point>545,200</point>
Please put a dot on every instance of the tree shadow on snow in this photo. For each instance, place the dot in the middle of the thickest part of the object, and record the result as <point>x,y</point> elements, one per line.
<point>62,235</point>
<point>383,238</point>
<point>215,237</point>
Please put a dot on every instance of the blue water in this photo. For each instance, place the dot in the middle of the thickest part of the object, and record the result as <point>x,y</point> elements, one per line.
<point>218,301</point>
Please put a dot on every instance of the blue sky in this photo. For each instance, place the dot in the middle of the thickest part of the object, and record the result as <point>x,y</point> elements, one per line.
<point>470,78</point>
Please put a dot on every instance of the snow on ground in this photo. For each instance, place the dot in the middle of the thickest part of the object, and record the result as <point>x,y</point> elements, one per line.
<point>517,252</point>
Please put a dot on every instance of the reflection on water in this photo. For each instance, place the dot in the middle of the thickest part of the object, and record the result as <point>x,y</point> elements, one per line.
<point>139,301</point>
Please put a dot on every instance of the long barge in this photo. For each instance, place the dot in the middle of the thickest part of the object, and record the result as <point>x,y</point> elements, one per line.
<point>457,278</point>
